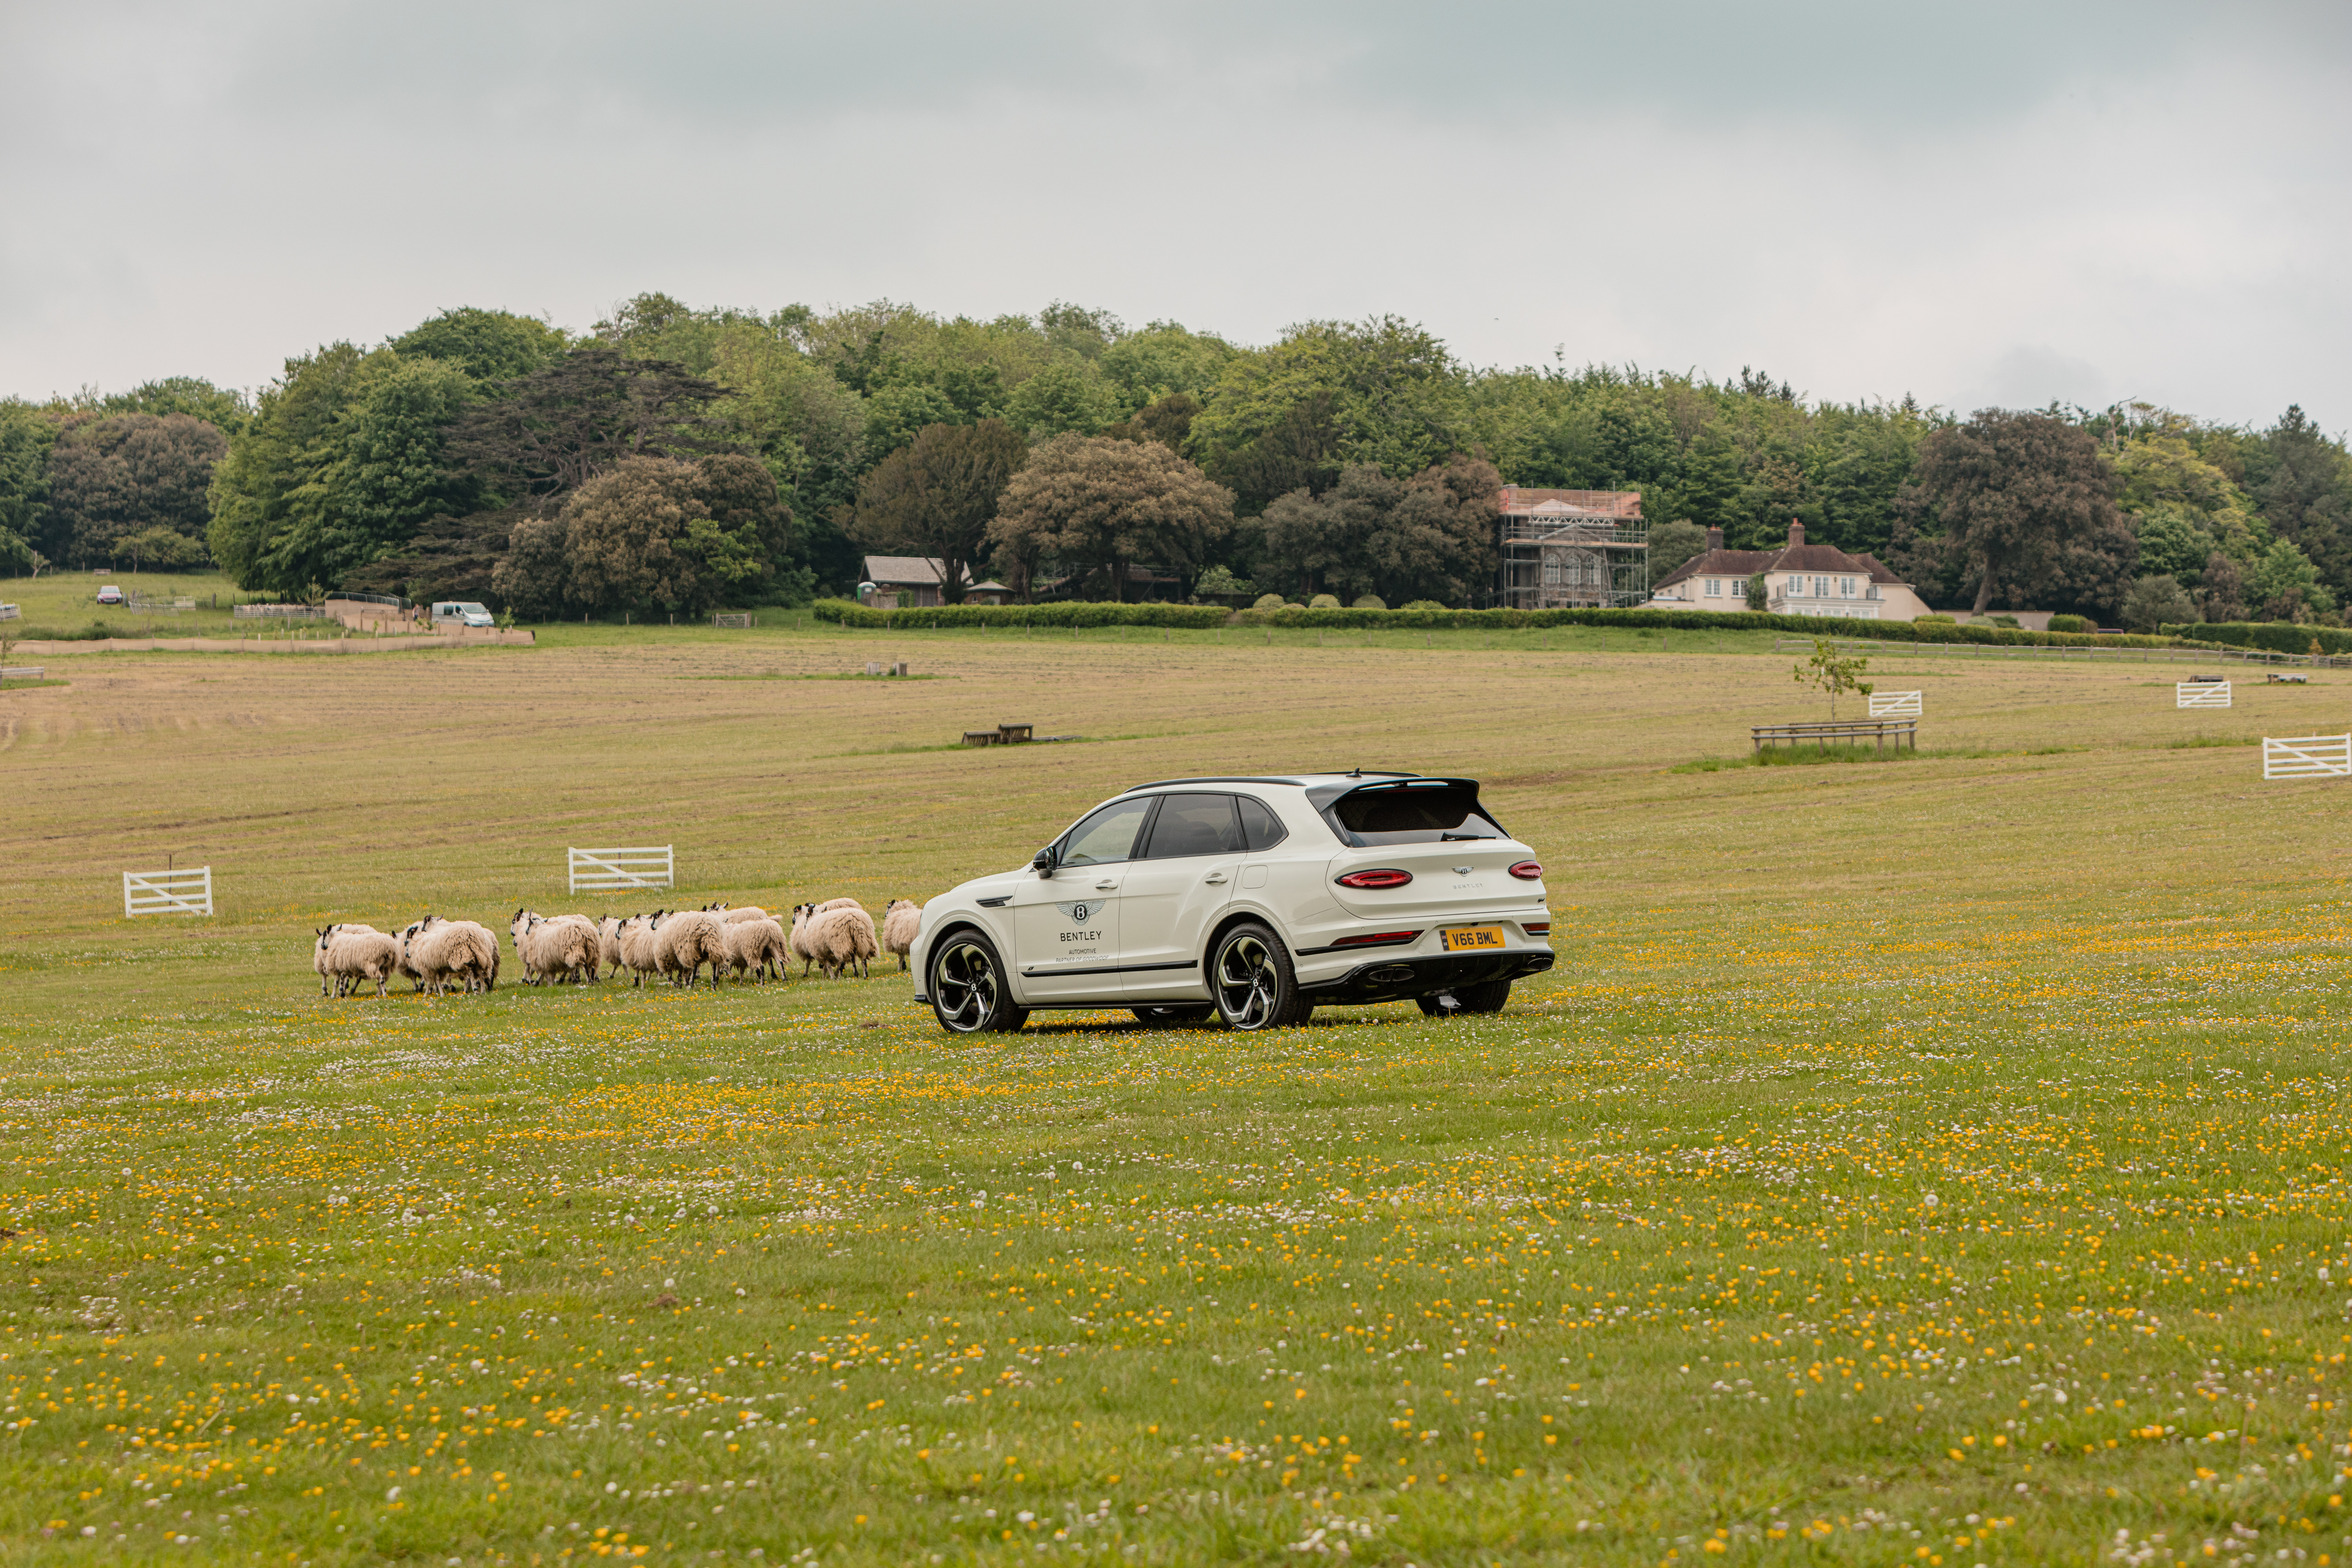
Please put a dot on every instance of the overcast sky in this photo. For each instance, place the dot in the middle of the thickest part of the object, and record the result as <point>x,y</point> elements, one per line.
<point>1984,203</point>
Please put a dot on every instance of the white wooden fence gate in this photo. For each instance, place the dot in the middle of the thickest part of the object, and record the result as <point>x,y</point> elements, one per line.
<point>2200,694</point>
<point>1895,704</point>
<point>2307,757</point>
<point>608,870</point>
<point>187,892</point>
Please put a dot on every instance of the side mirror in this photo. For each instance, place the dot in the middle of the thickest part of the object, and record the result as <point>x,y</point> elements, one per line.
<point>1045,863</point>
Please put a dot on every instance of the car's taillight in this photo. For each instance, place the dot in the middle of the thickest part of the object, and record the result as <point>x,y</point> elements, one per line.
<point>1384,877</point>
<point>1376,939</point>
<point>1535,928</point>
<point>1528,871</point>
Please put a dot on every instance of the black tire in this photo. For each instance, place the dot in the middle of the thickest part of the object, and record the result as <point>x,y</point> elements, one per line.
<point>1489,998</point>
<point>1251,979</point>
<point>970,991</point>
<point>1174,1017</point>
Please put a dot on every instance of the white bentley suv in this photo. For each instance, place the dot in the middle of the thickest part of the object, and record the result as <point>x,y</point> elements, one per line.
<point>1254,899</point>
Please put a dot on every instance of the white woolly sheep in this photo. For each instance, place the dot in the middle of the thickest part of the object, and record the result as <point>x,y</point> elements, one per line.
<point>349,954</point>
<point>640,946</point>
<point>758,946</point>
<point>842,938</point>
<point>438,950</point>
<point>565,946</point>
<point>902,920</point>
<point>691,938</point>
<point>608,947</point>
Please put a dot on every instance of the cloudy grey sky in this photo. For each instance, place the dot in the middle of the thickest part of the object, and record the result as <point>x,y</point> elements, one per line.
<point>1989,202</point>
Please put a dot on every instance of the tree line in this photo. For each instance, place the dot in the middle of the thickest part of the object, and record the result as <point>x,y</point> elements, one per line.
<point>674,458</point>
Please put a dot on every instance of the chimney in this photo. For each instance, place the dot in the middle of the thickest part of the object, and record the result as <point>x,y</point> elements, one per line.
<point>1796,533</point>
<point>1714,539</point>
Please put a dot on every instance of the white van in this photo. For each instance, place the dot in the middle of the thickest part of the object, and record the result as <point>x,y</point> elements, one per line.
<point>456,613</point>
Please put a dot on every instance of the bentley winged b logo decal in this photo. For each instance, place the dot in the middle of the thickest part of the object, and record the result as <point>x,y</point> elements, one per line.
<point>1077,913</point>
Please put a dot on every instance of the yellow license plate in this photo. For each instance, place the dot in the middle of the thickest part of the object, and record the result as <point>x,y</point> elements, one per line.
<point>1474,939</point>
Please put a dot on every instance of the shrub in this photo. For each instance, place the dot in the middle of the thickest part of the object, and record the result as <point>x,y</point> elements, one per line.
<point>1325,601</point>
<point>1940,620</point>
<point>1199,617</point>
<point>2070,624</point>
<point>1424,604</point>
<point>1268,602</point>
<point>2272,637</point>
<point>1369,602</point>
<point>1416,617</point>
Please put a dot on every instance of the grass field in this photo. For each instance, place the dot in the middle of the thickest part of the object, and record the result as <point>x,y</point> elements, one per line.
<point>1937,1162</point>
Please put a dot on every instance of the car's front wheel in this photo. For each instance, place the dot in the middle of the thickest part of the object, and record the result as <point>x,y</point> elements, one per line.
<point>970,994</point>
<point>1489,998</point>
<point>1171,1017</point>
<point>1252,982</point>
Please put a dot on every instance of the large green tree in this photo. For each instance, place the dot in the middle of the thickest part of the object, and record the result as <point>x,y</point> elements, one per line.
<point>2302,480</point>
<point>556,427</point>
<point>1430,536</point>
<point>937,497</point>
<point>345,460</point>
<point>2025,503</point>
<point>125,474</point>
<point>490,346</point>
<point>27,435</point>
<point>1383,392</point>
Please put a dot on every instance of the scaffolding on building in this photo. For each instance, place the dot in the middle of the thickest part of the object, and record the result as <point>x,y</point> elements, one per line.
<point>1574,549</point>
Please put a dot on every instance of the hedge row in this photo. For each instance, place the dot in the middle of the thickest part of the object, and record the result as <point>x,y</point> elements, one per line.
<point>1203,617</point>
<point>2275,636</point>
<point>1069,613</point>
<point>1691,620</point>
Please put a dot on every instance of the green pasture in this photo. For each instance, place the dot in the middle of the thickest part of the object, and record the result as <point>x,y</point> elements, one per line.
<point>1937,1162</point>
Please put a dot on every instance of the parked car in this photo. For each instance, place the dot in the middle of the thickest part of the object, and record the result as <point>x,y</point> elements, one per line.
<point>110,594</point>
<point>1254,899</point>
<point>462,613</point>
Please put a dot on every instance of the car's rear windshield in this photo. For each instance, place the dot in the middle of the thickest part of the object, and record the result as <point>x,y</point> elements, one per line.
<point>1409,813</point>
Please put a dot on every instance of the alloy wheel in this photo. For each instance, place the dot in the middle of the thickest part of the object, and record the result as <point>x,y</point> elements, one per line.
<point>1249,983</point>
<point>966,988</point>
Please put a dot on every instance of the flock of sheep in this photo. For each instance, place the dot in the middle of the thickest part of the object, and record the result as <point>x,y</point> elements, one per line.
<point>834,938</point>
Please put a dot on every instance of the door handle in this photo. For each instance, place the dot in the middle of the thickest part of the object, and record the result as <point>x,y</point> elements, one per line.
<point>1106,884</point>
<point>1214,876</point>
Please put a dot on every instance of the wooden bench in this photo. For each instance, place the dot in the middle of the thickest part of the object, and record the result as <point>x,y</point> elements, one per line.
<point>1840,731</point>
<point>2276,678</point>
<point>1014,735</point>
<point>983,738</point>
<point>26,672</point>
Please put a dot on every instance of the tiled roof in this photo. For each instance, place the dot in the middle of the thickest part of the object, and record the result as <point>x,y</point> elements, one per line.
<point>915,569</point>
<point>1791,558</point>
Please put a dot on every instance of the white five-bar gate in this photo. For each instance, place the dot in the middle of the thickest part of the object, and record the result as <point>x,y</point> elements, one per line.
<point>610,870</point>
<point>2307,757</point>
<point>1895,705</point>
<point>187,892</point>
<point>2200,694</point>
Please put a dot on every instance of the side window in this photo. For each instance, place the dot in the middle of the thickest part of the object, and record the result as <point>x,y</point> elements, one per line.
<point>1260,827</point>
<point>1106,836</point>
<point>1194,825</point>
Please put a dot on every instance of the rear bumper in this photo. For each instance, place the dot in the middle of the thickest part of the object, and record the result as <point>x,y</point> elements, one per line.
<point>1402,978</point>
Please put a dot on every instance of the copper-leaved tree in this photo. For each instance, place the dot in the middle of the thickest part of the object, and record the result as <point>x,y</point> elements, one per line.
<point>1097,502</point>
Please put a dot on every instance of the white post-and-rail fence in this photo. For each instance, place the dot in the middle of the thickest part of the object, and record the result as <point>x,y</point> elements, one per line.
<point>2307,757</point>
<point>2200,694</point>
<point>1895,704</point>
<point>187,892</point>
<point>610,870</point>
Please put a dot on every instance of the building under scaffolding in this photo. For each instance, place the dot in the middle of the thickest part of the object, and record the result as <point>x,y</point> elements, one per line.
<point>1574,549</point>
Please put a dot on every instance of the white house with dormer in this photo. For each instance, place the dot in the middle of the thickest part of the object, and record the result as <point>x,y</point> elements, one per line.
<point>1801,580</point>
